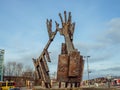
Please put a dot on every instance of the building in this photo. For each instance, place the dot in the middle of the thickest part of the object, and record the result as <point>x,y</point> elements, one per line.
<point>1,63</point>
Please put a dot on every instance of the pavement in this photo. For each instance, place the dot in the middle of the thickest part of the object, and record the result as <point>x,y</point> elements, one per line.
<point>24,88</point>
<point>39,87</point>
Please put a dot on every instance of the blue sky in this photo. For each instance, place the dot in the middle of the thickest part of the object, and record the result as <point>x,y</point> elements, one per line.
<point>23,32</point>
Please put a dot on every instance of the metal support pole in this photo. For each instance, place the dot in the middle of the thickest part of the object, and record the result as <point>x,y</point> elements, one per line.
<point>88,71</point>
<point>2,51</point>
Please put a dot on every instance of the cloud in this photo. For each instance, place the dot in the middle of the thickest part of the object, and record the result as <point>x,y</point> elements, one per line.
<point>21,55</point>
<point>101,50</point>
<point>112,34</point>
<point>105,45</point>
<point>114,31</point>
<point>113,71</point>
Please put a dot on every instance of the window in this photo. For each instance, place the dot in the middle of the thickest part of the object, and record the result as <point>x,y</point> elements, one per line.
<point>10,84</point>
<point>1,56</point>
<point>3,84</point>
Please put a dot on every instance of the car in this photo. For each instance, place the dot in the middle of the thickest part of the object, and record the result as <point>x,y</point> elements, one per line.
<point>7,85</point>
<point>15,88</point>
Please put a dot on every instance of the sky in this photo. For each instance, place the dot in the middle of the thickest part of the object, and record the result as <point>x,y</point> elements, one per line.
<point>23,32</point>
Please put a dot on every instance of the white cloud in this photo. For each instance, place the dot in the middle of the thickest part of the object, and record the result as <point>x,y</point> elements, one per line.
<point>112,34</point>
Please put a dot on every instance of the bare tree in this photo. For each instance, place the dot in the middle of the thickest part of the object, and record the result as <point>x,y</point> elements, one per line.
<point>19,69</point>
<point>8,69</point>
<point>28,71</point>
<point>13,69</point>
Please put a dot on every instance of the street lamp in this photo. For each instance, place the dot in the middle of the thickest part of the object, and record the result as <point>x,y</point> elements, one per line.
<point>87,68</point>
<point>2,51</point>
<point>109,77</point>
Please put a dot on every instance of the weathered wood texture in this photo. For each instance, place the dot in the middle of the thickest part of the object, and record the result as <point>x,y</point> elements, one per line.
<point>71,63</point>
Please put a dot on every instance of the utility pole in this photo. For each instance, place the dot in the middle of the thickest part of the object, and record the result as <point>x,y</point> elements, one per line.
<point>88,69</point>
<point>2,51</point>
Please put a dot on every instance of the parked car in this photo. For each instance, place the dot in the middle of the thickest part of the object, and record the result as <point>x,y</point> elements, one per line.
<point>7,85</point>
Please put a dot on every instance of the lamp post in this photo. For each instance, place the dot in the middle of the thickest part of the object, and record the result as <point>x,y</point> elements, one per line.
<point>2,51</point>
<point>109,80</point>
<point>87,68</point>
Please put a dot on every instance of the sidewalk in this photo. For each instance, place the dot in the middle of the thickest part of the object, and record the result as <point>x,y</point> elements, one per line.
<point>36,87</point>
<point>24,88</point>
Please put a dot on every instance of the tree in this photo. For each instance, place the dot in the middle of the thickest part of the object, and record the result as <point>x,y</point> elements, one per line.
<point>13,69</point>
<point>28,71</point>
<point>17,69</point>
